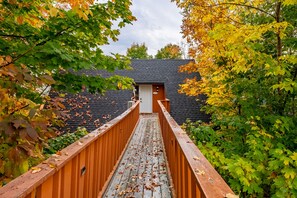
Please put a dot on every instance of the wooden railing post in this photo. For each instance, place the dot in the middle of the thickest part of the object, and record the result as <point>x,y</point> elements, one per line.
<point>191,173</point>
<point>166,104</point>
<point>83,168</point>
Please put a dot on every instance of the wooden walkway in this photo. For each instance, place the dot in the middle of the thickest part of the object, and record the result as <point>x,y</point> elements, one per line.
<point>142,171</point>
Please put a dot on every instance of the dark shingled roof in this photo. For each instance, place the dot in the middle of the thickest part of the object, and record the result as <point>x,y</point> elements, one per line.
<point>91,111</point>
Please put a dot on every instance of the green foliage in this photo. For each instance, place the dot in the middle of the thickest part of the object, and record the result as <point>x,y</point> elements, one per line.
<point>138,51</point>
<point>60,142</point>
<point>255,164</point>
<point>14,159</point>
<point>245,55</point>
<point>42,45</point>
<point>21,163</point>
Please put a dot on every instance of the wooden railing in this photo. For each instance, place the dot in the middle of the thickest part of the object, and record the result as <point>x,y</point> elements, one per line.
<point>83,168</point>
<point>192,174</point>
<point>166,104</point>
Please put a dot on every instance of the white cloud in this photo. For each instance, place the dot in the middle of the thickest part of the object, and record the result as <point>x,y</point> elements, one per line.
<point>158,23</point>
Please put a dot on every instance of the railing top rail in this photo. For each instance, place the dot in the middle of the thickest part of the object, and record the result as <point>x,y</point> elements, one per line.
<point>25,183</point>
<point>107,126</point>
<point>209,180</point>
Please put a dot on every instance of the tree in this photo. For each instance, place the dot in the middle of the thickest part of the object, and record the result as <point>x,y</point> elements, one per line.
<point>42,45</point>
<point>170,51</point>
<point>138,51</point>
<point>245,54</point>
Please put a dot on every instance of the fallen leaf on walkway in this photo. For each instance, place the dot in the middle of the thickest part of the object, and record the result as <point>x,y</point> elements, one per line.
<point>122,192</point>
<point>156,184</point>
<point>117,187</point>
<point>148,187</point>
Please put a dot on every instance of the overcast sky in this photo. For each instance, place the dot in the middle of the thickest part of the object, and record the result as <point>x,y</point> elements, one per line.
<point>158,23</point>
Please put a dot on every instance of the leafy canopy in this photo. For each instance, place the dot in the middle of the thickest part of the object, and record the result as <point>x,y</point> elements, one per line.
<point>42,44</point>
<point>138,51</point>
<point>170,51</point>
<point>246,53</point>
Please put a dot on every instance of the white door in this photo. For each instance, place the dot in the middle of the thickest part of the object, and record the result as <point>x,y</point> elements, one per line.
<point>146,98</point>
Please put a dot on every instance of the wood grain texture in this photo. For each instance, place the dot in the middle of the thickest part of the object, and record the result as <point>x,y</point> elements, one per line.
<point>142,171</point>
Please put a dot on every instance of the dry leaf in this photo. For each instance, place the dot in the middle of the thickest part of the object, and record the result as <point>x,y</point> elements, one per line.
<point>122,192</point>
<point>91,134</point>
<point>199,172</point>
<point>229,195</point>
<point>196,158</point>
<point>35,169</point>
<point>55,155</point>
<point>148,187</point>
<point>52,165</point>
<point>156,184</point>
<point>79,143</point>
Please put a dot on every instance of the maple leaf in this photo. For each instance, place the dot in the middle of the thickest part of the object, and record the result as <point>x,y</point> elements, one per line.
<point>35,58</point>
<point>19,123</point>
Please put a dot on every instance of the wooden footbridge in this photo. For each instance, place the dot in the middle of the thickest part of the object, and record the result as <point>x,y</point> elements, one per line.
<point>133,155</point>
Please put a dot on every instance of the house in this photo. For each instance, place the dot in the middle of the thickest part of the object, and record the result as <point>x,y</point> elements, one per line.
<point>155,80</point>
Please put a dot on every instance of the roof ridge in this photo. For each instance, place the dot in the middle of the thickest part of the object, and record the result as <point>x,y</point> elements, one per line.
<point>162,59</point>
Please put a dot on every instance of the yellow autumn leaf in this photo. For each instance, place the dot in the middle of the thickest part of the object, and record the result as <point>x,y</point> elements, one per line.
<point>35,170</point>
<point>289,173</point>
<point>52,165</point>
<point>289,2</point>
<point>294,156</point>
<point>53,11</point>
<point>82,14</point>
<point>120,85</point>
<point>20,20</point>
<point>229,195</point>
<point>287,161</point>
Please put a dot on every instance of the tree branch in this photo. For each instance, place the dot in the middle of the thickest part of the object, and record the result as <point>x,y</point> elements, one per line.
<point>33,46</point>
<point>242,5</point>
<point>42,92</point>
<point>14,36</point>
<point>287,94</point>
<point>23,107</point>
<point>279,41</point>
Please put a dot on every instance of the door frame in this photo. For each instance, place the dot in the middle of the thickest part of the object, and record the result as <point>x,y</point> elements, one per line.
<point>146,100</point>
<point>158,93</point>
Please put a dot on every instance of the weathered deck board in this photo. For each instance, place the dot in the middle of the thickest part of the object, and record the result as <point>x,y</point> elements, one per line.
<point>142,171</point>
